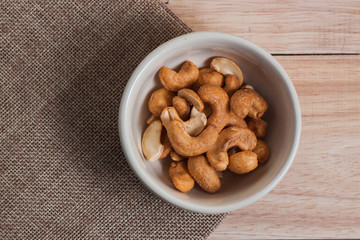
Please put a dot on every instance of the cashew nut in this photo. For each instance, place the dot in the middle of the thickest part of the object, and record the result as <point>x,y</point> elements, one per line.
<point>182,142</point>
<point>243,138</point>
<point>186,145</point>
<point>194,126</point>
<point>204,174</point>
<point>218,100</point>
<point>180,176</point>
<point>207,110</point>
<point>159,100</point>
<point>262,151</point>
<point>231,84</point>
<point>192,97</point>
<point>182,107</point>
<point>151,145</point>
<point>225,66</point>
<point>194,112</point>
<point>166,143</point>
<point>208,76</point>
<point>175,157</point>
<point>174,81</point>
<point>258,126</point>
<point>236,121</point>
<point>248,102</point>
<point>243,162</point>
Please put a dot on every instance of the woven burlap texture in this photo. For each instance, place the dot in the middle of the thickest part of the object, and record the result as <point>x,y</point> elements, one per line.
<point>64,66</point>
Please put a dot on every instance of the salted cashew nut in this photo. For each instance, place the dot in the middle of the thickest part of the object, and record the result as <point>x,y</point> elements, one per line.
<point>175,157</point>
<point>226,66</point>
<point>174,81</point>
<point>192,98</point>
<point>208,76</point>
<point>248,102</point>
<point>243,162</point>
<point>258,126</point>
<point>243,138</point>
<point>262,151</point>
<point>231,84</point>
<point>164,140</point>
<point>181,177</point>
<point>159,100</point>
<point>150,144</point>
<point>204,174</point>
<point>182,107</point>
<point>194,126</point>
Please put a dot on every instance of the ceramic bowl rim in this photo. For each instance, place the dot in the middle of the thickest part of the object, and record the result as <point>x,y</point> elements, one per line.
<point>123,122</point>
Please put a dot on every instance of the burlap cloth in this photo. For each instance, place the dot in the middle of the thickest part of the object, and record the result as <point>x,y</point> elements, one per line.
<point>63,175</point>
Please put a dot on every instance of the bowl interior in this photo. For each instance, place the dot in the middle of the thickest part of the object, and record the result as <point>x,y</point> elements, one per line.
<point>281,117</point>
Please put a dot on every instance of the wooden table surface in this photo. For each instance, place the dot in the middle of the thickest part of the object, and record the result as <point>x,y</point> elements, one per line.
<point>318,44</point>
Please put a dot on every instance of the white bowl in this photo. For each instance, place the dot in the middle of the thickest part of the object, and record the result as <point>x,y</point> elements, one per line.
<point>260,70</point>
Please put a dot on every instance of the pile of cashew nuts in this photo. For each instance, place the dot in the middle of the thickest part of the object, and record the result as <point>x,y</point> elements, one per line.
<point>207,121</point>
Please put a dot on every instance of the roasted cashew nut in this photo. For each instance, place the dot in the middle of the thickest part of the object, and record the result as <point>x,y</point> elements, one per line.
<point>194,126</point>
<point>159,100</point>
<point>166,143</point>
<point>232,84</point>
<point>258,126</point>
<point>207,110</point>
<point>226,66</point>
<point>182,107</point>
<point>243,162</point>
<point>181,177</point>
<point>186,145</point>
<point>262,151</point>
<point>248,102</point>
<point>204,174</point>
<point>208,76</point>
<point>194,112</point>
<point>192,98</point>
<point>174,81</point>
<point>182,142</point>
<point>236,121</point>
<point>150,144</point>
<point>218,100</point>
<point>243,138</point>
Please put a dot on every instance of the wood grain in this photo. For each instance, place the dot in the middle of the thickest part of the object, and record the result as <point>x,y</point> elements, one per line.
<point>320,195</point>
<point>289,26</point>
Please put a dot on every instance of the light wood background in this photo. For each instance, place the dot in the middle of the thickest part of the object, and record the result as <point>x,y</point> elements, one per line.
<point>318,44</point>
